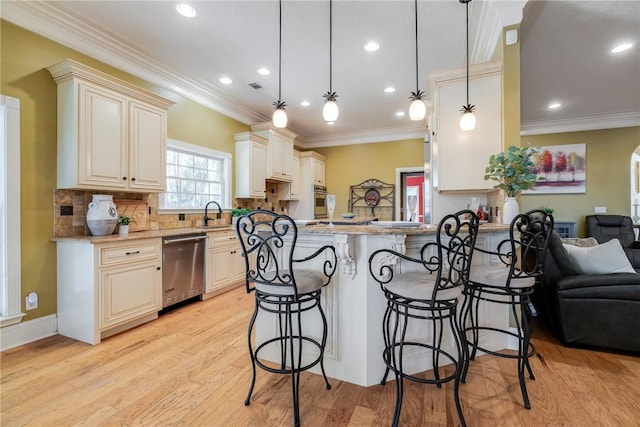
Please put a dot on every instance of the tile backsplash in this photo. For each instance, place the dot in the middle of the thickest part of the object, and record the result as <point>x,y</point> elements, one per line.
<point>70,207</point>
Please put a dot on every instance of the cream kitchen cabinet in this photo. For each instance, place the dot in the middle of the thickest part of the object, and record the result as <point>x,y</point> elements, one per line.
<point>291,190</point>
<point>105,288</point>
<point>462,156</point>
<point>226,264</point>
<point>312,173</point>
<point>111,134</point>
<point>318,168</point>
<point>250,166</point>
<point>279,154</point>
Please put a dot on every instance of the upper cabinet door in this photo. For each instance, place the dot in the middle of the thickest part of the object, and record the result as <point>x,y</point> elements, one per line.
<point>147,147</point>
<point>464,155</point>
<point>102,138</point>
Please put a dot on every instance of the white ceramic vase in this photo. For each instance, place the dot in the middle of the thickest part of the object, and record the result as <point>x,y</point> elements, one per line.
<point>102,216</point>
<point>510,210</point>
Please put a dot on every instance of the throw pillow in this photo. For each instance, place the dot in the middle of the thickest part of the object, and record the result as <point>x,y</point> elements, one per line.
<point>606,258</point>
<point>582,242</point>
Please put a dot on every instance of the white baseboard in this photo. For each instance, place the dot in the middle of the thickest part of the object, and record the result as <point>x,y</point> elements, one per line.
<point>26,332</point>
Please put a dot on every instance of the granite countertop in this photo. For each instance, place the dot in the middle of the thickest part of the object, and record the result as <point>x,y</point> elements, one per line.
<point>312,227</point>
<point>143,234</point>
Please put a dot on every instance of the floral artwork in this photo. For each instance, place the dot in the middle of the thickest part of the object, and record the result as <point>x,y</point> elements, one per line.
<point>560,169</point>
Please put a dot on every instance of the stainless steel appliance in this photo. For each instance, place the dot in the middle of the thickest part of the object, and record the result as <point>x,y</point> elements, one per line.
<point>183,267</point>
<point>319,201</point>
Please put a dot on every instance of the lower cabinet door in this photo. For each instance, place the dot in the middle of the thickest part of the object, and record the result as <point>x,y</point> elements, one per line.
<point>129,292</point>
<point>220,267</point>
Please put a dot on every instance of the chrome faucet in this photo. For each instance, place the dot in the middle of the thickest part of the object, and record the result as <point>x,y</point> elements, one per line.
<point>206,218</point>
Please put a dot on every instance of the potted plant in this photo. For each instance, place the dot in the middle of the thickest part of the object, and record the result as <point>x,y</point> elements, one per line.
<point>514,171</point>
<point>123,221</point>
<point>237,213</point>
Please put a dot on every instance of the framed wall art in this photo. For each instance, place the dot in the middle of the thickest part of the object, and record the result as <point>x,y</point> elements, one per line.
<point>561,169</point>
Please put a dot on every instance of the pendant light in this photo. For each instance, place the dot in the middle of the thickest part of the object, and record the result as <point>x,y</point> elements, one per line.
<point>468,119</point>
<point>330,110</point>
<point>279,115</point>
<point>417,109</point>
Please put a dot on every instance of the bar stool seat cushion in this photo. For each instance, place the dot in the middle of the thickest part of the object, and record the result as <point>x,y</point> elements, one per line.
<point>307,281</point>
<point>496,276</point>
<point>418,285</point>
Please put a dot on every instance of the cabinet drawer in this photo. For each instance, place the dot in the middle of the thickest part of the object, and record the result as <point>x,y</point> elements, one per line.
<point>130,251</point>
<point>223,239</point>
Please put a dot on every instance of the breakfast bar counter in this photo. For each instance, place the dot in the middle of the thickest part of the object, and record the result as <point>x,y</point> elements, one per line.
<point>354,303</point>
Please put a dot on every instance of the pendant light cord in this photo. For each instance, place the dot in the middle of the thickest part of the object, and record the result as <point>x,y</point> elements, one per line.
<point>416,18</point>
<point>330,45</point>
<point>468,51</point>
<point>280,53</point>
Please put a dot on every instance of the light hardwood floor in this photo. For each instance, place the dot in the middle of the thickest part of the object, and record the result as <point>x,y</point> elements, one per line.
<point>191,368</point>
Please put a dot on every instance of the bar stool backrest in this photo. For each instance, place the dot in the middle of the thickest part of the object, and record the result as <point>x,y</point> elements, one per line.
<point>455,242</point>
<point>526,248</point>
<point>268,240</point>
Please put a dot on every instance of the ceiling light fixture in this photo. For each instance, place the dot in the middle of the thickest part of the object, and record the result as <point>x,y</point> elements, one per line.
<point>279,115</point>
<point>400,114</point>
<point>622,47</point>
<point>330,110</point>
<point>389,89</point>
<point>225,80</point>
<point>417,109</point>
<point>186,10</point>
<point>554,105</point>
<point>264,71</point>
<point>371,46</point>
<point>468,119</point>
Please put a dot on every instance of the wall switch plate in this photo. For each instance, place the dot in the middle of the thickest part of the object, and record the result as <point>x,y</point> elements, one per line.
<point>600,209</point>
<point>181,217</point>
<point>66,210</point>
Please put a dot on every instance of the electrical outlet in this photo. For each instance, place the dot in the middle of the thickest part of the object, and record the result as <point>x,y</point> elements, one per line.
<point>31,301</point>
<point>600,209</point>
<point>66,210</point>
<point>181,217</point>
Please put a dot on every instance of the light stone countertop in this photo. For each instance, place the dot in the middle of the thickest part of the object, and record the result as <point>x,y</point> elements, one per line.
<point>302,229</point>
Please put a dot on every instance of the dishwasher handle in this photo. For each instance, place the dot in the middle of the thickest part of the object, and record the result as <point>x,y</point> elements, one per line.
<point>185,239</point>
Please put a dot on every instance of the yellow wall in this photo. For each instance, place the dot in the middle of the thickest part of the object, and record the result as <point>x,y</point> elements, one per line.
<point>25,57</point>
<point>351,164</point>
<point>511,91</point>
<point>608,174</point>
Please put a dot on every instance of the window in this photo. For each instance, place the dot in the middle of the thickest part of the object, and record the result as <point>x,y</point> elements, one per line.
<point>196,175</point>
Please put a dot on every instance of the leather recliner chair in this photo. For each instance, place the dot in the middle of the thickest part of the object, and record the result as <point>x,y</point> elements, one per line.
<point>606,227</point>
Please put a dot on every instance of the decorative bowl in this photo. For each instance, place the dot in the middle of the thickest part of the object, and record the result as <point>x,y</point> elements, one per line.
<point>348,215</point>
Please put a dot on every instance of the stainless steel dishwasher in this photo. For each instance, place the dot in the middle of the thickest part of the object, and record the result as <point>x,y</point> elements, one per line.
<point>183,267</point>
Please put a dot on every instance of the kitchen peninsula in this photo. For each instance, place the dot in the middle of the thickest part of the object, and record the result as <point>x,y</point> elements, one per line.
<point>354,304</point>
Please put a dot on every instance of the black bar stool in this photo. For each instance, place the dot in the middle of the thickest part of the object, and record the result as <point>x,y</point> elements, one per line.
<point>268,243</point>
<point>511,282</point>
<point>427,292</point>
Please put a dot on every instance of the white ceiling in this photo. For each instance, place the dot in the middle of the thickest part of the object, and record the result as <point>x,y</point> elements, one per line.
<point>564,47</point>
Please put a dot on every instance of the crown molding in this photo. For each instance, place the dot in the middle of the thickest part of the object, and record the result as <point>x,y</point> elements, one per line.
<point>47,20</point>
<point>605,121</point>
<point>367,137</point>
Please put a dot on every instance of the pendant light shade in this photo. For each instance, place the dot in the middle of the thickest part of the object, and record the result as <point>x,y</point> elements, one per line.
<point>279,118</point>
<point>417,109</point>
<point>330,110</point>
<point>468,119</point>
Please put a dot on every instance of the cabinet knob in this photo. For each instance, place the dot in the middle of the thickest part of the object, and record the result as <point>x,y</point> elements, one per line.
<point>158,268</point>
<point>133,179</point>
<point>132,253</point>
<point>124,178</point>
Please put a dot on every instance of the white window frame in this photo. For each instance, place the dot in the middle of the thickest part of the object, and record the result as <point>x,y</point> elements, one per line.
<point>208,152</point>
<point>10,261</point>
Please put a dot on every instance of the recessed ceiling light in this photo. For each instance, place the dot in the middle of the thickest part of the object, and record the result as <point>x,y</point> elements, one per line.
<point>622,47</point>
<point>400,114</point>
<point>331,123</point>
<point>225,80</point>
<point>554,105</point>
<point>264,71</point>
<point>371,47</point>
<point>305,103</point>
<point>186,10</point>
<point>389,89</point>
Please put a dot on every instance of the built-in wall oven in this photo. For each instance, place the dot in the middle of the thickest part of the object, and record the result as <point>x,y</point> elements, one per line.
<point>319,201</point>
